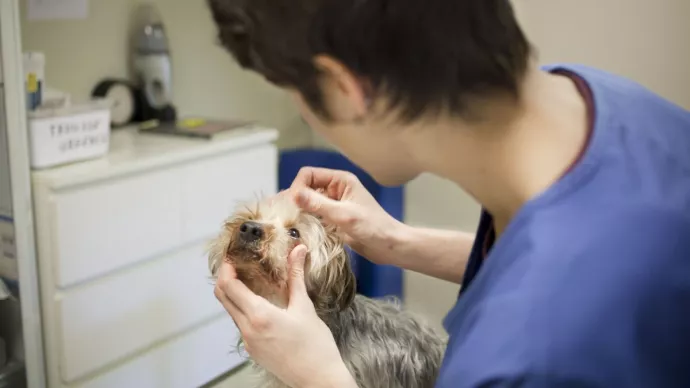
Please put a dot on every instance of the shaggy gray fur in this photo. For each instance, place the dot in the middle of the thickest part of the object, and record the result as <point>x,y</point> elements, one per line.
<point>383,346</point>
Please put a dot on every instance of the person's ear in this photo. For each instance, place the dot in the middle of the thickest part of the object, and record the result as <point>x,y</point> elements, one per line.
<point>346,95</point>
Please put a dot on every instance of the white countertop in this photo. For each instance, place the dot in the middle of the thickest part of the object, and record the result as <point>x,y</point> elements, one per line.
<point>132,152</point>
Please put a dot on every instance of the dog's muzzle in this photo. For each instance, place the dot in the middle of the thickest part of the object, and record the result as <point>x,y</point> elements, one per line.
<point>251,232</point>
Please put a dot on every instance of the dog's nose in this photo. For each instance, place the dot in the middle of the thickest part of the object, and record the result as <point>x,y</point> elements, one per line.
<point>251,231</point>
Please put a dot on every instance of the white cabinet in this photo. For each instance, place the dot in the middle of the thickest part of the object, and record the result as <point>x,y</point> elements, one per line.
<point>109,225</point>
<point>126,295</point>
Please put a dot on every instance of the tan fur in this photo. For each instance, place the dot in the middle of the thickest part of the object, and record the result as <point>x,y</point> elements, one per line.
<point>330,282</point>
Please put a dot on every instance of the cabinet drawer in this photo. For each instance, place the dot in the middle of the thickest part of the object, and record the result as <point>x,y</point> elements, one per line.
<point>213,187</point>
<point>113,224</point>
<point>189,361</point>
<point>116,316</point>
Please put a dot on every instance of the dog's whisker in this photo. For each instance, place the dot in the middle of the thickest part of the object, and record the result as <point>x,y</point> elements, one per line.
<point>250,211</point>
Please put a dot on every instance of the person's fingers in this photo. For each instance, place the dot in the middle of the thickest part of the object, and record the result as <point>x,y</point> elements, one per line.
<point>236,291</point>
<point>318,178</point>
<point>298,289</point>
<point>313,177</point>
<point>331,211</point>
<point>238,316</point>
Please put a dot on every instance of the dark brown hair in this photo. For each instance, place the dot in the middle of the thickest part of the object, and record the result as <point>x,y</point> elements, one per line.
<point>424,56</point>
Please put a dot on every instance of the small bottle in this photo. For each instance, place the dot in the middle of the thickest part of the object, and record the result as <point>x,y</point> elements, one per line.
<point>34,73</point>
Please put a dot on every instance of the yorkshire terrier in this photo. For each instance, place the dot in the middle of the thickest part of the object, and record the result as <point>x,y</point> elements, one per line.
<point>382,345</point>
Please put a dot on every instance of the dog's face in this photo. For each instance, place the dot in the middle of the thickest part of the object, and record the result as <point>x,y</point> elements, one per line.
<point>257,240</point>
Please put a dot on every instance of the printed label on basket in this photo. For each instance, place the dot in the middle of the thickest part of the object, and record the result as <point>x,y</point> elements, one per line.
<point>65,139</point>
<point>8,251</point>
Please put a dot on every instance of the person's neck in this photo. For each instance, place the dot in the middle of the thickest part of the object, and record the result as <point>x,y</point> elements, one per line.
<point>517,152</point>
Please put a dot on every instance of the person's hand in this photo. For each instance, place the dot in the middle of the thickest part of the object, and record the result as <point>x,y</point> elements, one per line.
<point>340,199</point>
<point>294,344</point>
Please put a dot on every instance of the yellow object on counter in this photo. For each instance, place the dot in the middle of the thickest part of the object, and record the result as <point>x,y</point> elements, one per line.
<point>191,123</point>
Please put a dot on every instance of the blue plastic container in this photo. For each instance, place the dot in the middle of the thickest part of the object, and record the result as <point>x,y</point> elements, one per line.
<point>374,281</point>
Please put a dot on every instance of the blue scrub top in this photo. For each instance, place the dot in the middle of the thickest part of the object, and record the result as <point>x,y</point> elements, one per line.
<point>589,285</point>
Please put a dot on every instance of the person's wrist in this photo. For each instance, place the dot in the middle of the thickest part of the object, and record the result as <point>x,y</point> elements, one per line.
<point>400,241</point>
<point>392,237</point>
<point>397,234</point>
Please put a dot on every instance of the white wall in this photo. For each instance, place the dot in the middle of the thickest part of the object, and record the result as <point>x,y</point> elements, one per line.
<point>642,39</point>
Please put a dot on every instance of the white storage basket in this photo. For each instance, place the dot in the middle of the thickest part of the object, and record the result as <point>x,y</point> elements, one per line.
<point>64,135</point>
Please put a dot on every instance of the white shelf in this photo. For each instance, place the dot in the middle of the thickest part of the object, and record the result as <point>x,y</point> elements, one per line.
<point>133,152</point>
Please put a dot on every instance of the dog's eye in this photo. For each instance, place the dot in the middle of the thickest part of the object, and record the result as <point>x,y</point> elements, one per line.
<point>294,233</point>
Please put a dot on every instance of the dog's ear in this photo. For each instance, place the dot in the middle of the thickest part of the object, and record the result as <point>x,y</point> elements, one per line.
<point>218,248</point>
<point>332,287</point>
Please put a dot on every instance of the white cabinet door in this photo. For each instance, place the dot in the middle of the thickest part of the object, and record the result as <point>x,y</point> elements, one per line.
<point>115,317</point>
<point>114,224</point>
<point>183,362</point>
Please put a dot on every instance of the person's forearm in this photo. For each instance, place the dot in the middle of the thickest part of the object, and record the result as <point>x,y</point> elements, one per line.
<point>442,254</point>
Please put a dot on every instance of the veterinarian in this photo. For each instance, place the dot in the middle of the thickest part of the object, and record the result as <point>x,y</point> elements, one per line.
<point>579,272</point>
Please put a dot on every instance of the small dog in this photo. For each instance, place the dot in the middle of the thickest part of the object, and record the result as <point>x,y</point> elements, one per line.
<point>381,345</point>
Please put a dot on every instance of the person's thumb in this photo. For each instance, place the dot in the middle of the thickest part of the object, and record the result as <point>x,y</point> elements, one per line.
<point>319,204</point>
<point>298,289</point>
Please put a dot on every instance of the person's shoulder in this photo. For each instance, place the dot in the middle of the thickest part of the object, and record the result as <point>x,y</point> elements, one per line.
<point>657,226</point>
<point>622,94</point>
<point>631,117</point>
<point>596,77</point>
<point>617,233</point>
